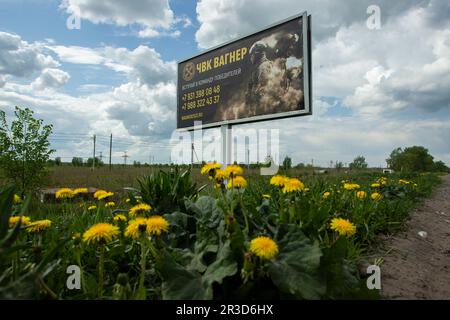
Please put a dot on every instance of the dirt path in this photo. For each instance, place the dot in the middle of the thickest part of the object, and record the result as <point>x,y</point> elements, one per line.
<point>417,267</point>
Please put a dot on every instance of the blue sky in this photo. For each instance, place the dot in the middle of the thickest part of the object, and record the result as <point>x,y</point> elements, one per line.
<point>374,89</point>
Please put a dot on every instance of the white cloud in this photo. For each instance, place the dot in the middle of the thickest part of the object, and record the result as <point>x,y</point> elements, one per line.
<point>50,79</point>
<point>21,59</point>
<point>148,13</point>
<point>143,64</point>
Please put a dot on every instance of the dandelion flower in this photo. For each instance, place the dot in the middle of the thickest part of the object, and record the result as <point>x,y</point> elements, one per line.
<point>209,168</point>
<point>156,225</point>
<point>100,233</point>
<point>351,186</point>
<point>38,226</point>
<point>237,182</point>
<point>80,191</point>
<point>23,220</point>
<point>264,247</point>
<point>105,195</point>
<point>221,175</point>
<point>292,185</point>
<point>361,194</point>
<point>234,170</point>
<point>99,193</point>
<point>140,209</point>
<point>120,217</point>
<point>266,196</point>
<point>343,226</point>
<point>375,185</point>
<point>91,208</point>
<point>136,227</point>
<point>64,193</point>
<point>326,195</point>
<point>17,199</point>
<point>376,196</point>
<point>278,181</point>
<point>110,204</point>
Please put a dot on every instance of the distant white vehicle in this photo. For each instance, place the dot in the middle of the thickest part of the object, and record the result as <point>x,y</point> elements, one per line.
<point>388,171</point>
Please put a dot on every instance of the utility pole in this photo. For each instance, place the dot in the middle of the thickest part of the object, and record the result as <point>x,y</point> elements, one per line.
<point>192,155</point>
<point>248,157</point>
<point>110,151</point>
<point>93,155</point>
<point>125,156</point>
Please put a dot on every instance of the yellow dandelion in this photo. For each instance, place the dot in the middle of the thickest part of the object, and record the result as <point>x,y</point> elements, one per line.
<point>91,208</point>
<point>17,199</point>
<point>99,193</point>
<point>105,195</point>
<point>120,217</point>
<point>221,175</point>
<point>209,168</point>
<point>80,191</point>
<point>278,180</point>
<point>266,196</point>
<point>100,233</point>
<point>343,226</point>
<point>237,182</point>
<point>110,204</point>
<point>136,227</point>
<point>234,170</point>
<point>39,225</point>
<point>375,185</point>
<point>156,225</point>
<point>292,185</point>
<point>264,247</point>
<point>351,186</point>
<point>376,196</point>
<point>24,221</point>
<point>64,193</point>
<point>361,194</point>
<point>140,209</point>
<point>326,195</point>
<point>76,235</point>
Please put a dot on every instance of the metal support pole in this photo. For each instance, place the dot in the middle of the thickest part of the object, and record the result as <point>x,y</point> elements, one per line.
<point>225,131</point>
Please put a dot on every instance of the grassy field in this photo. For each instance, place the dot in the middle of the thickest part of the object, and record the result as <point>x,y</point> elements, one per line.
<point>298,236</point>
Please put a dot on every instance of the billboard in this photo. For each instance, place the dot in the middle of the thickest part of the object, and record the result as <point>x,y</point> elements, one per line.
<point>261,76</point>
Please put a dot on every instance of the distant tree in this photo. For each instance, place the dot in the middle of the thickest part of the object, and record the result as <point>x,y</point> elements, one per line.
<point>338,165</point>
<point>300,165</point>
<point>287,163</point>
<point>24,148</point>
<point>58,161</point>
<point>98,162</point>
<point>440,166</point>
<point>411,159</point>
<point>358,163</point>
<point>77,162</point>
<point>136,164</point>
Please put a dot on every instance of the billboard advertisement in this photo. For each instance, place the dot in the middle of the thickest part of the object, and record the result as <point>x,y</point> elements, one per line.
<point>261,76</point>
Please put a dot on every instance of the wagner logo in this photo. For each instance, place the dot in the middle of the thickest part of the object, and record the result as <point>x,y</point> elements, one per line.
<point>188,71</point>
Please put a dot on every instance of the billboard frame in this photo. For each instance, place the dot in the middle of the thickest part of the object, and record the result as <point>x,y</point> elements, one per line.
<point>307,78</point>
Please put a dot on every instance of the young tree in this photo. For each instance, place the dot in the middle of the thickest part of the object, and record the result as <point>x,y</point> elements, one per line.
<point>287,163</point>
<point>358,163</point>
<point>412,159</point>
<point>77,162</point>
<point>24,148</point>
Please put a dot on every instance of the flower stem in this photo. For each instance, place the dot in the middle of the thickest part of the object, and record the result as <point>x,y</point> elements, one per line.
<point>101,267</point>
<point>141,288</point>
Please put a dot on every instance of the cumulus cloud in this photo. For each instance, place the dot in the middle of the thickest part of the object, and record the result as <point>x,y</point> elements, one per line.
<point>148,13</point>
<point>50,79</point>
<point>21,59</point>
<point>143,64</point>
